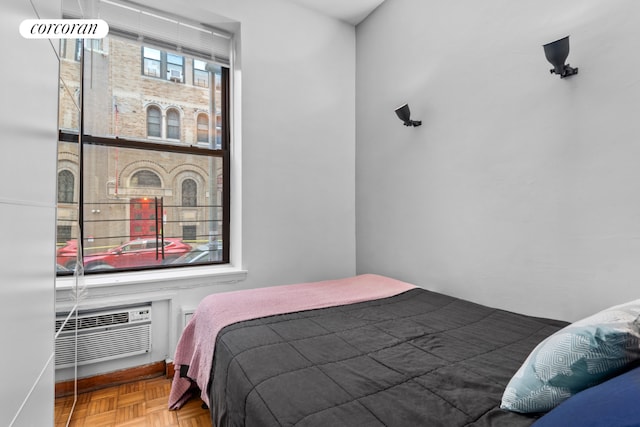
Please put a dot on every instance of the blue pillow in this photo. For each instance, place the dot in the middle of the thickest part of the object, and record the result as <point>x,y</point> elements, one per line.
<point>575,358</point>
<point>613,403</point>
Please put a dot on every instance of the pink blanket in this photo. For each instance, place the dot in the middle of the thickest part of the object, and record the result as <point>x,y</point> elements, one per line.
<point>196,344</point>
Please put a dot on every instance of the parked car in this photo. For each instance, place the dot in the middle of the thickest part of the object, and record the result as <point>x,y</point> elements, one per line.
<point>66,255</point>
<point>203,253</point>
<point>135,253</point>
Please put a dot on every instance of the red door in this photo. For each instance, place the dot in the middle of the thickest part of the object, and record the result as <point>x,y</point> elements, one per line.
<point>143,218</point>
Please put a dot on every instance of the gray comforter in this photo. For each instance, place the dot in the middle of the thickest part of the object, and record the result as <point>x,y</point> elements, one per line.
<point>416,359</point>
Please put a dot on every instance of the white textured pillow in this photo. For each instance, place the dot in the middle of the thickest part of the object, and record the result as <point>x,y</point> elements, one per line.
<point>578,356</point>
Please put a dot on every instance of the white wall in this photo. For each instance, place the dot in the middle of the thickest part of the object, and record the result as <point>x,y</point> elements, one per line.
<point>520,190</point>
<point>28,122</point>
<point>297,133</point>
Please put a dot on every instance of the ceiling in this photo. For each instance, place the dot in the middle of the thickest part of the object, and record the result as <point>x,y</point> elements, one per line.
<point>351,11</point>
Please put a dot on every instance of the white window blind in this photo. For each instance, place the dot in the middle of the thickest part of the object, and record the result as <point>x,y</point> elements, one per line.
<point>154,27</point>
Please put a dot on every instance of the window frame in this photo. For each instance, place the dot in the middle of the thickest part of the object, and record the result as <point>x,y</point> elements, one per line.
<point>203,128</point>
<point>149,123</point>
<point>171,66</point>
<point>151,60</point>
<point>223,152</point>
<point>196,72</point>
<point>173,124</point>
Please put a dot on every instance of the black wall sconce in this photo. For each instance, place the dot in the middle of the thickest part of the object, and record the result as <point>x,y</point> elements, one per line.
<point>556,53</point>
<point>405,115</point>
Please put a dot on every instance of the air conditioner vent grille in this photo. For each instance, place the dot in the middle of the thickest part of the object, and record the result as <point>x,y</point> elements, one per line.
<point>101,336</point>
<point>105,345</point>
<point>94,321</point>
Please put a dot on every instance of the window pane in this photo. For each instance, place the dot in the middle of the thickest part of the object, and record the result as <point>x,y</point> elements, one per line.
<point>203,128</point>
<point>189,193</point>
<point>128,208</point>
<point>189,233</point>
<point>200,73</point>
<point>145,178</point>
<point>66,187</point>
<point>151,68</point>
<point>201,78</point>
<point>173,124</point>
<point>174,59</point>
<point>151,53</point>
<point>137,194</point>
<point>199,65</point>
<point>67,213</point>
<point>152,61</point>
<point>154,122</point>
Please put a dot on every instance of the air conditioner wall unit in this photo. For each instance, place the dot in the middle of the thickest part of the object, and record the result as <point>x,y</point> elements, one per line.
<point>175,75</point>
<point>103,335</point>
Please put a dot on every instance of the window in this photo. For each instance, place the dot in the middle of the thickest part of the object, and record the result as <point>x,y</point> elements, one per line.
<point>173,124</point>
<point>65,187</point>
<point>200,73</point>
<point>139,163</point>
<point>138,245</point>
<point>152,62</point>
<point>145,179</point>
<point>158,63</point>
<point>175,67</point>
<point>189,193</point>
<point>154,122</point>
<point>189,233</point>
<point>63,233</point>
<point>203,128</point>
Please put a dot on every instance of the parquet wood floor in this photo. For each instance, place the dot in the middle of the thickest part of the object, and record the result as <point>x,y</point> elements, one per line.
<point>137,404</point>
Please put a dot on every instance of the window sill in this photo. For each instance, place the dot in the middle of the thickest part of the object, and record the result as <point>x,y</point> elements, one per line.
<point>147,282</point>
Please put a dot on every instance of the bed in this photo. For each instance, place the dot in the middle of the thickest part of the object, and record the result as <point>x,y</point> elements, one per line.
<point>362,351</point>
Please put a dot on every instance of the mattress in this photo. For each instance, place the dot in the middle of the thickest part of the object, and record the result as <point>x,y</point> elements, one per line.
<point>416,357</point>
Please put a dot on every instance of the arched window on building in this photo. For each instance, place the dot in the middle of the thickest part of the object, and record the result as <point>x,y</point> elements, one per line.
<point>66,183</point>
<point>146,178</point>
<point>203,128</point>
<point>154,122</point>
<point>173,124</point>
<point>189,193</point>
